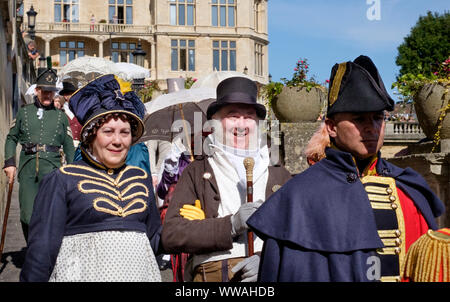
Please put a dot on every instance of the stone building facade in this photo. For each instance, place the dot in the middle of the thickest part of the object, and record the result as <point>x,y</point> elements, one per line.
<point>187,38</point>
<point>17,74</point>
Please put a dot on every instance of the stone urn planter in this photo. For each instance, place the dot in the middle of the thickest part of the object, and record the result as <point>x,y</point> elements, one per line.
<point>296,104</point>
<point>432,107</point>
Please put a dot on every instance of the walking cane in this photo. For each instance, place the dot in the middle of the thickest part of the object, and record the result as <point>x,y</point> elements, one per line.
<point>248,164</point>
<point>5,218</point>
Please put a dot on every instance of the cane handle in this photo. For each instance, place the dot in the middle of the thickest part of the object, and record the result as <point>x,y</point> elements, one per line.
<point>249,163</point>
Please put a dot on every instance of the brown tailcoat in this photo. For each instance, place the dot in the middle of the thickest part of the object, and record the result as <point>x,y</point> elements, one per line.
<point>212,233</point>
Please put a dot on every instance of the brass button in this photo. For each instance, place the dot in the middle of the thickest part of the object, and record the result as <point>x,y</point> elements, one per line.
<point>389,190</point>
<point>398,242</point>
<point>110,172</point>
<point>392,198</point>
<point>397,250</point>
<point>398,233</point>
<point>394,206</point>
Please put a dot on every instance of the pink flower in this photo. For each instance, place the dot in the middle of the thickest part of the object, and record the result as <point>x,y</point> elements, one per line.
<point>306,66</point>
<point>295,69</point>
<point>327,81</point>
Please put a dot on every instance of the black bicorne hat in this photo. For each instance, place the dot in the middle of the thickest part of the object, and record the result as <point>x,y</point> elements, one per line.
<point>236,90</point>
<point>47,80</point>
<point>68,88</point>
<point>357,87</point>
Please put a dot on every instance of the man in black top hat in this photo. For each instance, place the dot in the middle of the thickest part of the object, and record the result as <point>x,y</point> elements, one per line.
<point>206,216</point>
<point>43,133</point>
<point>351,216</point>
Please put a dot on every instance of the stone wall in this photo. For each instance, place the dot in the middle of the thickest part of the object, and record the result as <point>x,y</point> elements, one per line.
<point>294,139</point>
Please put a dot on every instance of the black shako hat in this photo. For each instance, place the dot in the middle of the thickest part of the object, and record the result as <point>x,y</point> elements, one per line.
<point>46,80</point>
<point>236,90</point>
<point>68,88</point>
<point>357,87</point>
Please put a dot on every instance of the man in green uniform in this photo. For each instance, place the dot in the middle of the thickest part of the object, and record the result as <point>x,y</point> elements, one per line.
<point>41,129</point>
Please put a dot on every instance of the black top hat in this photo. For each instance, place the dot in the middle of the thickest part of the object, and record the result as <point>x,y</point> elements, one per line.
<point>68,88</point>
<point>47,80</point>
<point>357,87</point>
<point>236,90</point>
<point>104,95</point>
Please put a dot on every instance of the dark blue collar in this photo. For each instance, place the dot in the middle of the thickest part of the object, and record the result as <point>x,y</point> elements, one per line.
<point>96,164</point>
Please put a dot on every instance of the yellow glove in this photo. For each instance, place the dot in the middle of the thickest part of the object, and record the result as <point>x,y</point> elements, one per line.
<point>192,212</point>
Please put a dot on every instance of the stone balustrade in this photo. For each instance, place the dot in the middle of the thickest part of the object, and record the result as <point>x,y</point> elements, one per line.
<point>403,131</point>
<point>97,28</point>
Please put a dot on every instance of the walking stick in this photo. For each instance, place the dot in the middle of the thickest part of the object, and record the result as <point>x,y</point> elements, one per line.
<point>248,164</point>
<point>5,218</point>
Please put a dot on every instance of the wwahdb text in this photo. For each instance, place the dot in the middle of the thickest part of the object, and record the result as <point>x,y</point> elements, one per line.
<point>226,291</point>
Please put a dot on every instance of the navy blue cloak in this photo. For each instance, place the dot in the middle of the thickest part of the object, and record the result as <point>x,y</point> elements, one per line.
<point>320,225</point>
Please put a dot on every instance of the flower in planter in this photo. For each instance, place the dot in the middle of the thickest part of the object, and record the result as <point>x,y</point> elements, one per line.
<point>189,82</point>
<point>145,94</point>
<point>299,78</point>
<point>408,85</point>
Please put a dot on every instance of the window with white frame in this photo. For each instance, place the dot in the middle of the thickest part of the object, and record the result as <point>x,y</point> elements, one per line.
<point>182,12</point>
<point>123,52</point>
<point>223,13</point>
<point>66,11</point>
<point>259,59</point>
<point>120,11</point>
<point>70,50</point>
<point>224,55</point>
<point>182,55</point>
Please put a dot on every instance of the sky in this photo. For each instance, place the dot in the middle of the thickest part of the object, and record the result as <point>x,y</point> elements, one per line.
<point>326,32</point>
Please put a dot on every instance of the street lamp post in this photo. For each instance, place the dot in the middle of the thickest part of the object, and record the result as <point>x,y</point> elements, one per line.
<point>139,58</point>
<point>110,46</point>
<point>139,55</point>
<point>31,22</point>
<point>42,64</point>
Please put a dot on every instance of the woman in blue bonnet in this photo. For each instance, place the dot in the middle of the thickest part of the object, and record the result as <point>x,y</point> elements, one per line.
<point>96,219</point>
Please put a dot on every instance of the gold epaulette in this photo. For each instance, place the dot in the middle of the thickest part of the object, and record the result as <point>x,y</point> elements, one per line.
<point>428,258</point>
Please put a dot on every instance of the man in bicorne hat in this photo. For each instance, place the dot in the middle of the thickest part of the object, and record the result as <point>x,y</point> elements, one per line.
<point>207,213</point>
<point>43,133</point>
<point>352,215</point>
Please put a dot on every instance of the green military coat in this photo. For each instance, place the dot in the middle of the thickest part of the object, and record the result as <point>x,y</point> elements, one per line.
<point>51,129</point>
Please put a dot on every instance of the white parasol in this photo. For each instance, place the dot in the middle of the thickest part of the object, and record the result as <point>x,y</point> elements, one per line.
<point>86,65</point>
<point>130,71</point>
<point>213,79</point>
